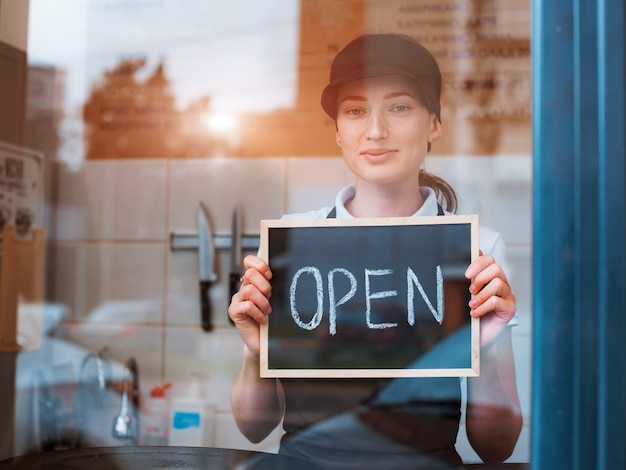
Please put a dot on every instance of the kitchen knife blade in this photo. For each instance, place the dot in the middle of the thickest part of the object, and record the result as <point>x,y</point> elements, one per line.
<point>206,259</point>
<point>235,252</point>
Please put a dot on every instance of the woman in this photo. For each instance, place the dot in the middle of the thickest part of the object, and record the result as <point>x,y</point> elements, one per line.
<point>384,94</point>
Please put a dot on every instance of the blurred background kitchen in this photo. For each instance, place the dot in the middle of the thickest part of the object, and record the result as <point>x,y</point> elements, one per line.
<point>119,117</point>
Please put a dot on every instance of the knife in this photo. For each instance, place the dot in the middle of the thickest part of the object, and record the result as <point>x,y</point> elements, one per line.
<point>206,259</point>
<point>235,252</point>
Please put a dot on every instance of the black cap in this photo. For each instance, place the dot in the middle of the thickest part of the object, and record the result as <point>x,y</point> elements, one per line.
<point>374,55</point>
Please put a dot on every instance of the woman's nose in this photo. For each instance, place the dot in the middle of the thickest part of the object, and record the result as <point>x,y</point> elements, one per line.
<point>376,127</point>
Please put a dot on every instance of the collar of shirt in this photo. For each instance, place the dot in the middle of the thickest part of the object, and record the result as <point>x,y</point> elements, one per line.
<point>429,208</point>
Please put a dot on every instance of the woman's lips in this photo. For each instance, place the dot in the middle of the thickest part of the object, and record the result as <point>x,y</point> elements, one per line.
<point>378,154</point>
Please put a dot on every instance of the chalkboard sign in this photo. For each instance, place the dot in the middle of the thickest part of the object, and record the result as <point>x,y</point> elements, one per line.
<point>370,297</point>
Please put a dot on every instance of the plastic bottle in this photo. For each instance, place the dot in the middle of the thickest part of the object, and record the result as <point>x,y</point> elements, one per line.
<point>188,423</point>
<point>155,419</point>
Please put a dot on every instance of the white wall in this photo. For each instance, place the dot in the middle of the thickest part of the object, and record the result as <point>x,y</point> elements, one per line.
<point>126,289</point>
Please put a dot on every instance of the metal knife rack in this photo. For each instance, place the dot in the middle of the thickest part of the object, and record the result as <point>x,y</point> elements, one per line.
<point>189,242</point>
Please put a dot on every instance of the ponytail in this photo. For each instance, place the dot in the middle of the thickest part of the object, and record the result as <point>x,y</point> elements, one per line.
<point>446,196</point>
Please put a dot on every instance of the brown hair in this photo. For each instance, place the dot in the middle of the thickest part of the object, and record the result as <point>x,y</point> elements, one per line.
<point>446,196</point>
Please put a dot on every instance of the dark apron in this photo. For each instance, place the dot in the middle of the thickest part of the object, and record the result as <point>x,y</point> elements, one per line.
<point>426,425</point>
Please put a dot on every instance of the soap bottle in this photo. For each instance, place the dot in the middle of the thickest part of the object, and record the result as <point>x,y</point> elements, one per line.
<point>188,422</point>
<point>155,418</point>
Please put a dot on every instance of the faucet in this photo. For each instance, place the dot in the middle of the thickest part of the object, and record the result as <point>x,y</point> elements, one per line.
<point>126,423</point>
<point>91,392</point>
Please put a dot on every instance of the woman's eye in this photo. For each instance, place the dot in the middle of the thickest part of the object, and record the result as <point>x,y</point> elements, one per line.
<point>401,108</point>
<point>354,111</point>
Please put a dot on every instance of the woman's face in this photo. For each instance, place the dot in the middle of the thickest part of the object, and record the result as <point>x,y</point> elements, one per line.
<point>384,130</point>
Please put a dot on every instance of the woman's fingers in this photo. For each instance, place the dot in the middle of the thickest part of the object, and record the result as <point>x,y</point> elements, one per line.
<point>490,288</point>
<point>493,300</point>
<point>257,264</point>
<point>502,307</point>
<point>254,302</point>
<point>250,305</point>
<point>476,270</point>
<point>252,277</point>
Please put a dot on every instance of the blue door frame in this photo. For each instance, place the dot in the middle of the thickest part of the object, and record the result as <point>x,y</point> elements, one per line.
<point>579,281</point>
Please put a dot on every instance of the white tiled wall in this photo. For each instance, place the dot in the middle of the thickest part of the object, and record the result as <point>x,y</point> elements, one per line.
<point>110,261</point>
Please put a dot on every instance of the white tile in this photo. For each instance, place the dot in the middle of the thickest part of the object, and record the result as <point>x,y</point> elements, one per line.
<point>182,358</point>
<point>519,258</point>
<point>314,182</point>
<point>214,357</point>
<point>257,184</point>
<point>183,304</point>
<point>120,341</point>
<point>522,349</point>
<point>112,200</point>
<point>464,174</point>
<point>512,208</point>
<point>183,298</point>
<point>108,282</point>
<point>497,188</point>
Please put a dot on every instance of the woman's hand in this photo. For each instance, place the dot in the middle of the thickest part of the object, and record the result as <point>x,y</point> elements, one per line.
<point>493,300</point>
<point>250,306</point>
<point>257,403</point>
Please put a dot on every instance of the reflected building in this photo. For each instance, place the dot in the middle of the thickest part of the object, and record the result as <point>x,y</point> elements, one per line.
<point>130,117</point>
<point>44,108</point>
<point>483,51</point>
